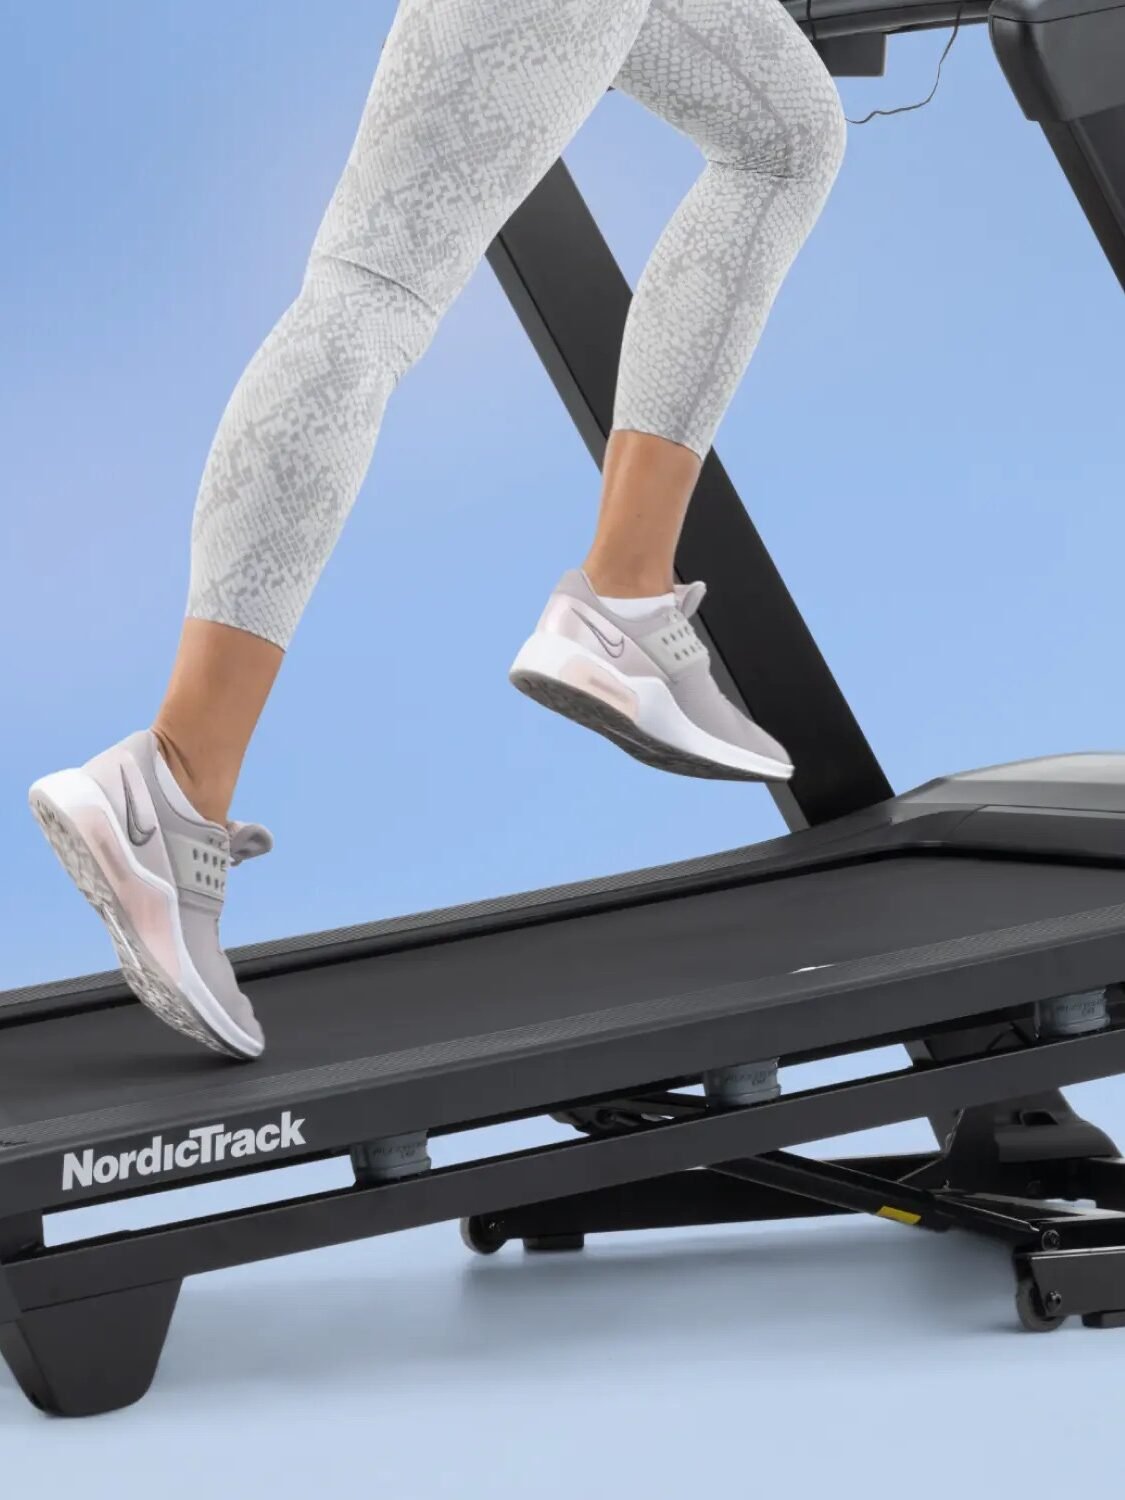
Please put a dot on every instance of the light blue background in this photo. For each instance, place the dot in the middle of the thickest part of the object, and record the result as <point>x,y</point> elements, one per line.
<point>929,440</point>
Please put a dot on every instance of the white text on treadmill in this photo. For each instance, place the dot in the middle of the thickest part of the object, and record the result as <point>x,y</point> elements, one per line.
<point>202,1147</point>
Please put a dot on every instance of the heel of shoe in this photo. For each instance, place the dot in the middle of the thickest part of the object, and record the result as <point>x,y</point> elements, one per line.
<point>85,832</point>
<point>55,802</point>
<point>553,658</point>
<point>63,789</point>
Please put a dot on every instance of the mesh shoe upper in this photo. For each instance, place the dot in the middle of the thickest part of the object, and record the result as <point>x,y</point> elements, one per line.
<point>200,854</point>
<point>664,644</point>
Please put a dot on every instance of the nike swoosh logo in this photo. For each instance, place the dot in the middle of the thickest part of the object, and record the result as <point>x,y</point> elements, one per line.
<point>137,835</point>
<point>611,648</point>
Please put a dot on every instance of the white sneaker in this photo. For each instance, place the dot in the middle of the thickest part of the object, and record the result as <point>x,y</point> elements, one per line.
<point>645,684</point>
<point>156,873</point>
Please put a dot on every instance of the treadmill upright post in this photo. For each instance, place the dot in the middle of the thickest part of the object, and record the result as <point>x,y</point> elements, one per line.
<point>1066,67</point>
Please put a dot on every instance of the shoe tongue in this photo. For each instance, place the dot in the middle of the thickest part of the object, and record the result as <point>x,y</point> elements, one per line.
<point>247,841</point>
<point>689,596</point>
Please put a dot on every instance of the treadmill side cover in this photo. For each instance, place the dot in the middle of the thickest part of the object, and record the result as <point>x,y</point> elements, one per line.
<point>1063,58</point>
<point>1086,782</point>
<point>9,1307</point>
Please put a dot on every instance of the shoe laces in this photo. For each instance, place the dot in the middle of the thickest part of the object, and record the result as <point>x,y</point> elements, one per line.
<point>689,596</point>
<point>248,841</point>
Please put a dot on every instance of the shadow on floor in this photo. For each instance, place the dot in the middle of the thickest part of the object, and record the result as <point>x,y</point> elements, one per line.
<point>847,1292</point>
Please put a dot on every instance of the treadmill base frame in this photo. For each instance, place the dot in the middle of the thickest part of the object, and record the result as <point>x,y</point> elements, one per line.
<point>82,1325</point>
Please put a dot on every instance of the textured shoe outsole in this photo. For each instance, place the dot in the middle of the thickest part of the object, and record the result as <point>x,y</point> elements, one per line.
<point>141,972</point>
<point>592,713</point>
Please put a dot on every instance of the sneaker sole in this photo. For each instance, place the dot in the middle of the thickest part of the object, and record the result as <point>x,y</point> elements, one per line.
<point>59,804</point>
<point>537,671</point>
<point>591,713</point>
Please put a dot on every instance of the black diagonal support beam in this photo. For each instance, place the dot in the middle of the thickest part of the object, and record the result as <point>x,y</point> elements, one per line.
<point>572,299</point>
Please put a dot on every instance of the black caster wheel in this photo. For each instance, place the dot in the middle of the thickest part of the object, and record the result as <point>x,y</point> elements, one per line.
<point>543,1244</point>
<point>481,1235</point>
<point>1031,1312</point>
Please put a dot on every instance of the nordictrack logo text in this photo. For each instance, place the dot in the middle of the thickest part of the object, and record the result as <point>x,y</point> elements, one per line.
<point>204,1146</point>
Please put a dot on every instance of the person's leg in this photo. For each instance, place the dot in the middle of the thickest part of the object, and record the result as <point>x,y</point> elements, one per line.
<point>220,681</point>
<point>741,80</point>
<point>647,482</point>
<point>615,648</point>
<point>472,103</point>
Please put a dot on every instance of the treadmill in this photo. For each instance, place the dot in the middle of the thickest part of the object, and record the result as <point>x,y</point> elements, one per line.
<point>978,920</point>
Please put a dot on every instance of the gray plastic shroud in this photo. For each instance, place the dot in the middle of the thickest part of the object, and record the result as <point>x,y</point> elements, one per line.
<point>1048,789</point>
<point>1093,781</point>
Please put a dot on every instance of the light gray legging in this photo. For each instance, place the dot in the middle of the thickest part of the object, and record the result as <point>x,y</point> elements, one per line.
<point>472,103</point>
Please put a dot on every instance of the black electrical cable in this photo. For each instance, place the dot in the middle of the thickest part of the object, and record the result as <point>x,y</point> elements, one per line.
<point>902,109</point>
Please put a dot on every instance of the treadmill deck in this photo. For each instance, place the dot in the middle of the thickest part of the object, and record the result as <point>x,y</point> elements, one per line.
<point>664,976</point>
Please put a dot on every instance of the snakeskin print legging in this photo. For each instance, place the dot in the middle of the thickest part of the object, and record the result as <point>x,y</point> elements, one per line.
<point>472,102</point>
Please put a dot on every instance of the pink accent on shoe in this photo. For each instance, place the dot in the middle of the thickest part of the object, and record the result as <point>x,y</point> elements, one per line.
<point>146,906</point>
<point>588,678</point>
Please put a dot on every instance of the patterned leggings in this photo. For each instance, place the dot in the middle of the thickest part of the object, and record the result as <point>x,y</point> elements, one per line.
<point>472,103</point>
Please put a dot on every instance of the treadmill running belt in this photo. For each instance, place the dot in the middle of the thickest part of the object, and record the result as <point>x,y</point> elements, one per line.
<point>559,971</point>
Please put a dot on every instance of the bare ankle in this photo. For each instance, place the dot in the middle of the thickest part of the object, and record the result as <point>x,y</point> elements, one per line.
<point>210,798</point>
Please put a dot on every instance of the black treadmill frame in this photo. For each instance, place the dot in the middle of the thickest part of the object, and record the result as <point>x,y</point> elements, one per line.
<point>82,1325</point>
<point>530,1070</point>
